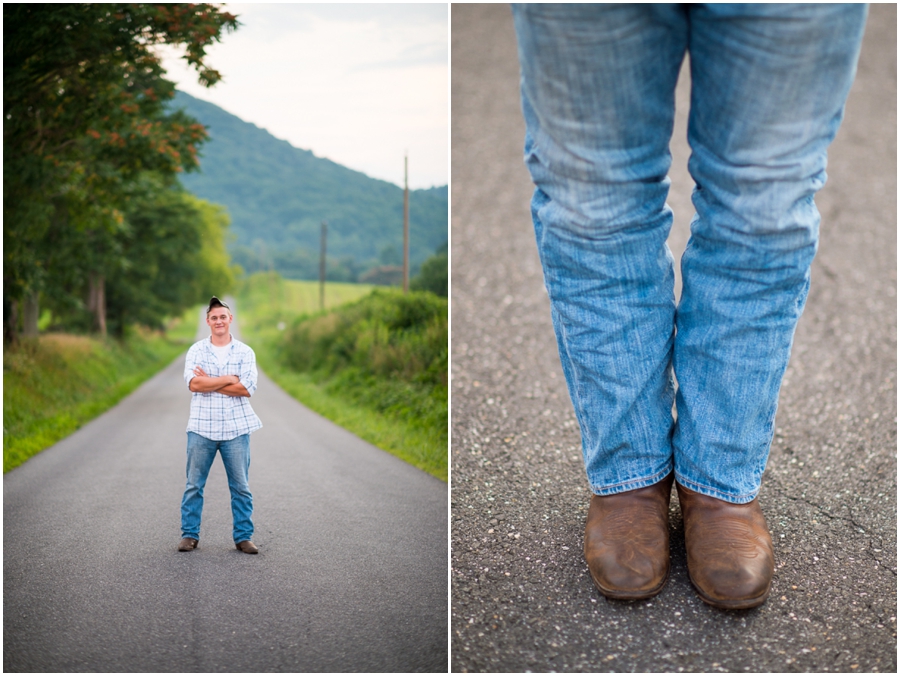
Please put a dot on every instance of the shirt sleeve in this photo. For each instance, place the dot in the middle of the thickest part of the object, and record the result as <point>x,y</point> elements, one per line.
<point>248,371</point>
<point>190,361</point>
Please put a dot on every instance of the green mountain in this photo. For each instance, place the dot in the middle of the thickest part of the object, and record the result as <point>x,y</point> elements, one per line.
<point>277,197</point>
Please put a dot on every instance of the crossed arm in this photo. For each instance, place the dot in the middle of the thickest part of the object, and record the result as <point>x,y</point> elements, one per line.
<point>230,385</point>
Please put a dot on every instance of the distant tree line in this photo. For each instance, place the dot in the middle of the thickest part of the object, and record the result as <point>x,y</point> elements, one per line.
<point>96,227</point>
<point>386,270</point>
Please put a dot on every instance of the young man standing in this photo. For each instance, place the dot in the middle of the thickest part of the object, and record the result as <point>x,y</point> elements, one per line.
<point>221,372</point>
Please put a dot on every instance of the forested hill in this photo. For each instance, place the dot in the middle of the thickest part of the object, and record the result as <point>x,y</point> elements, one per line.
<point>278,195</point>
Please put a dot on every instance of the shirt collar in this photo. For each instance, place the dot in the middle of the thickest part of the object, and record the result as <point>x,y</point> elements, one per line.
<point>231,342</point>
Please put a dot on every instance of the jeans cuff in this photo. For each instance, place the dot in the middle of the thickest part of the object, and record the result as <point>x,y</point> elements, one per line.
<point>631,484</point>
<point>739,499</point>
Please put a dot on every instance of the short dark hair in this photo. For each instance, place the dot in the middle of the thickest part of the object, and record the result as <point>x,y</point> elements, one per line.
<point>215,302</point>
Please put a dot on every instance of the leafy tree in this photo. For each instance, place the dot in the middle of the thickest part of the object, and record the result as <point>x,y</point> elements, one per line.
<point>83,117</point>
<point>171,252</point>
<point>433,275</point>
<point>176,253</point>
<point>216,275</point>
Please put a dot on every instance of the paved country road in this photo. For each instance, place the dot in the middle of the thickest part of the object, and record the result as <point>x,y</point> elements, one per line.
<point>351,574</point>
<point>521,596</point>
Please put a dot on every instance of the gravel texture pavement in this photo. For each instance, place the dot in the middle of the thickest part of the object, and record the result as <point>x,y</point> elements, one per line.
<point>351,573</point>
<point>521,596</point>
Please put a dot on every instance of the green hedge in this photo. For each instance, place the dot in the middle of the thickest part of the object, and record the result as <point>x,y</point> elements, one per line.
<point>387,352</point>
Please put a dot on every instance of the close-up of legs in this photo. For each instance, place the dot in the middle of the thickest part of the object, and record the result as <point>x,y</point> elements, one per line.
<point>684,390</point>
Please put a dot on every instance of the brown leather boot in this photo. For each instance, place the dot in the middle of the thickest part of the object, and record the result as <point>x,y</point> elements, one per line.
<point>626,541</point>
<point>187,545</point>
<point>247,547</point>
<point>729,551</point>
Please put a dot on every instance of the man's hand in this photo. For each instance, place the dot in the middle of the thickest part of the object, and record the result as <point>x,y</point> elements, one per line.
<point>230,385</point>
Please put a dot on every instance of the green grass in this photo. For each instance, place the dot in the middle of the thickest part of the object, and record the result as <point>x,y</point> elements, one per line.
<point>391,390</point>
<point>183,329</point>
<point>54,384</point>
<point>266,299</point>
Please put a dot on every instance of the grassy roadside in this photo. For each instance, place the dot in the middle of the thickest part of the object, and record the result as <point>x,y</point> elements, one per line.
<point>420,447</point>
<point>400,413</point>
<point>54,384</point>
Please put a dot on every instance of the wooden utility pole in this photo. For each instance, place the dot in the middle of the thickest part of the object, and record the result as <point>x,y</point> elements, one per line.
<point>322,266</point>
<point>405,225</point>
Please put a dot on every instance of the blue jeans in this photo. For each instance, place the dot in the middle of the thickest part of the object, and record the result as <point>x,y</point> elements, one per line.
<point>769,84</point>
<point>236,457</point>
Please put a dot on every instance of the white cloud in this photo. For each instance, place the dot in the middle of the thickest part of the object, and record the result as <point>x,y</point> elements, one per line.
<point>359,84</point>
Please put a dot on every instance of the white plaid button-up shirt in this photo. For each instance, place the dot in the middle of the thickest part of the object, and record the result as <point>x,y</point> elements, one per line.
<point>217,416</point>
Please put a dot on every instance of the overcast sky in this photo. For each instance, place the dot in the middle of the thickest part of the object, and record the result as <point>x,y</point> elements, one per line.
<point>358,84</point>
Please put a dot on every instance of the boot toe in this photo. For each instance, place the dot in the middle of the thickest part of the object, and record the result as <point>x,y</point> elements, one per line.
<point>637,578</point>
<point>736,587</point>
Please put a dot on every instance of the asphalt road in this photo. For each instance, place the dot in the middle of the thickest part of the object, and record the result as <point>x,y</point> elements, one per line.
<point>351,574</point>
<point>521,596</point>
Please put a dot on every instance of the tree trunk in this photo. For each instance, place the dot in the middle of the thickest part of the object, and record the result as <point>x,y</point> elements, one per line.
<point>30,312</point>
<point>10,322</point>
<point>97,302</point>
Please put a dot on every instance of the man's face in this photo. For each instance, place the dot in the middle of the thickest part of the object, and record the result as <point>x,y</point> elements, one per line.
<point>219,321</point>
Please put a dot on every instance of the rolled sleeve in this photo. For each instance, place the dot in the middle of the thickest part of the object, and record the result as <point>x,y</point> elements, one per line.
<point>248,372</point>
<point>190,361</point>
